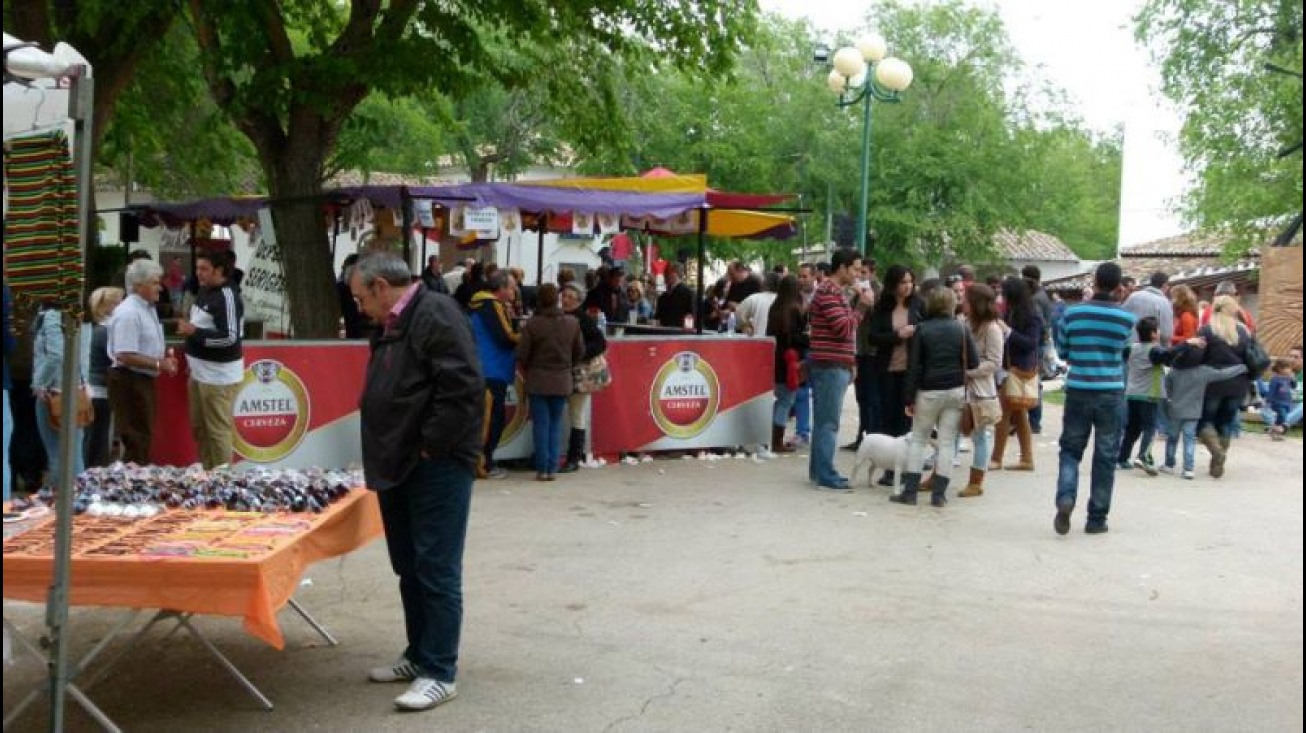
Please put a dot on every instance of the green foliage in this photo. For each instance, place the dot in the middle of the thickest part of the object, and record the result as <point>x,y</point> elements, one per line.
<point>1238,115</point>
<point>169,135</point>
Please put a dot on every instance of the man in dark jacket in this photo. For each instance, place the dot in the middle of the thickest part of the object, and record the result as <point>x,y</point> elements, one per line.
<point>214,356</point>
<point>496,343</point>
<point>432,276</point>
<point>421,413</point>
<point>677,302</point>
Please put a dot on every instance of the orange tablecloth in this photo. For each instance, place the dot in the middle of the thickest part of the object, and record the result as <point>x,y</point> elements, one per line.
<point>249,570</point>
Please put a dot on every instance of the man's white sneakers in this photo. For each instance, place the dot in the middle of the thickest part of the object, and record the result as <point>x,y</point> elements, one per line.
<point>425,693</point>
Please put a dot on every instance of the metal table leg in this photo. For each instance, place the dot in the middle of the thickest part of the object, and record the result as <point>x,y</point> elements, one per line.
<point>184,620</point>
<point>313,622</point>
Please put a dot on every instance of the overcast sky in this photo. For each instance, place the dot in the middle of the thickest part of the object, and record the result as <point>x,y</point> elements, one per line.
<point>1087,48</point>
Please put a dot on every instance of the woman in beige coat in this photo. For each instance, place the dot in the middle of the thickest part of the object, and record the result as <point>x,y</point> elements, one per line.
<point>980,309</point>
<point>549,348</point>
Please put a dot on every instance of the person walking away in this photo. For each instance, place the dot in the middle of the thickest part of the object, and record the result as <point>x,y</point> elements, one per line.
<point>215,357</point>
<point>496,337</point>
<point>936,386</point>
<point>1144,390</point>
<point>832,359</point>
<point>893,323</point>
<point>550,347</point>
<point>420,412</point>
<point>787,324</point>
<point>1185,389</point>
<point>1226,344</point>
<point>98,441</point>
<point>578,403</point>
<point>47,384</point>
<point>990,334</point>
<point>1094,340</point>
<point>137,349</point>
<point>1026,331</point>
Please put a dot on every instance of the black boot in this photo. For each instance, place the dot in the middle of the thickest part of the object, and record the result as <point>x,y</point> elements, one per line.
<point>575,452</point>
<point>939,490</point>
<point>911,483</point>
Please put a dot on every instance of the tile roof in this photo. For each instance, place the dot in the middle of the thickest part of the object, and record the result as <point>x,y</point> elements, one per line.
<point>1183,245</point>
<point>1032,245</point>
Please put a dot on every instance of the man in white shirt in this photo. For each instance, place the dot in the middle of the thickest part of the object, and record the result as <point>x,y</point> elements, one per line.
<point>752,312</point>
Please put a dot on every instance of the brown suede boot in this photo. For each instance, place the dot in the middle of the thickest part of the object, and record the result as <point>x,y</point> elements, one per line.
<point>1211,439</point>
<point>975,487</point>
<point>778,440</point>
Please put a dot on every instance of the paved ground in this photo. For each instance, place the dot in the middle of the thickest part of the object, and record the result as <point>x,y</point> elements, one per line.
<point>685,595</point>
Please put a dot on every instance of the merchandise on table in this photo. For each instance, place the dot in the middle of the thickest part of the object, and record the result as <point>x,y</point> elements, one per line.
<point>131,492</point>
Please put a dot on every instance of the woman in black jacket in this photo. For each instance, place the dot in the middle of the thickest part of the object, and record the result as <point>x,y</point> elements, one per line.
<point>1022,353</point>
<point>893,323</point>
<point>578,404</point>
<point>941,353</point>
<point>787,324</point>
<point>1227,338</point>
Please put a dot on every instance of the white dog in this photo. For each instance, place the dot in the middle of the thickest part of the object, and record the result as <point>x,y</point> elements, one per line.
<point>884,452</point>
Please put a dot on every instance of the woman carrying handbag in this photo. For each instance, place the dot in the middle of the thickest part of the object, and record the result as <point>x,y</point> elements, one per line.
<point>985,409</point>
<point>1019,393</point>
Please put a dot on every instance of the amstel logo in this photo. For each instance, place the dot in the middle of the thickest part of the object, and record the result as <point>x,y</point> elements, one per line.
<point>271,412</point>
<point>516,411</point>
<point>685,396</point>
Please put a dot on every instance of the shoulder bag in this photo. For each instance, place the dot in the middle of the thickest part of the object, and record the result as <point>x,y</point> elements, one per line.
<point>591,376</point>
<point>1020,390</point>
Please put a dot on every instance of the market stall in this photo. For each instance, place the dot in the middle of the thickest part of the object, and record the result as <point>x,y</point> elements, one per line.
<point>187,544</point>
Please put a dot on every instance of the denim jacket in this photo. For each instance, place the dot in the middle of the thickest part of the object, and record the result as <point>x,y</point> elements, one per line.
<point>47,351</point>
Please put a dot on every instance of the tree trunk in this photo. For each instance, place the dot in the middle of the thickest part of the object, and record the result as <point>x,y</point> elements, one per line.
<point>305,249</point>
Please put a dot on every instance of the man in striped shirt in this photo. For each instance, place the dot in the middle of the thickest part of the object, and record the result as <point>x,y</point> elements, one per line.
<point>1093,337</point>
<point>832,359</point>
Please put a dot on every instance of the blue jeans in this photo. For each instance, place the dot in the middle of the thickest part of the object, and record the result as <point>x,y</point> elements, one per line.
<point>425,520</point>
<point>546,429</point>
<point>1097,413</point>
<point>8,434</point>
<point>785,399</point>
<point>803,411</point>
<point>50,439</point>
<point>1188,430</point>
<point>829,384</point>
<point>981,441</point>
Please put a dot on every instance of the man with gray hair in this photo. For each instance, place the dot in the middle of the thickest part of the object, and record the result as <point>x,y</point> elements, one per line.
<point>421,413</point>
<point>1227,287</point>
<point>1151,301</point>
<point>138,355</point>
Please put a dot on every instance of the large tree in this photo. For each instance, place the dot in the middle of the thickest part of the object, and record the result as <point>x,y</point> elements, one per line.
<point>291,74</point>
<point>1239,116</point>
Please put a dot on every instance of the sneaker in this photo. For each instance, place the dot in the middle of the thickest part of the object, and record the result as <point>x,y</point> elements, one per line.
<point>1171,470</point>
<point>1188,474</point>
<point>1061,523</point>
<point>497,473</point>
<point>425,693</point>
<point>1124,466</point>
<point>401,671</point>
<point>799,441</point>
<point>1142,465</point>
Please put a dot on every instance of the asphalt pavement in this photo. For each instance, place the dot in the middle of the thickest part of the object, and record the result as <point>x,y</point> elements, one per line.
<point>688,595</point>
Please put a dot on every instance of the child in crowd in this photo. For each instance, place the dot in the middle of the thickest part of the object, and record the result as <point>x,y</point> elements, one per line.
<point>1144,390</point>
<point>1279,396</point>
<point>1185,389</point>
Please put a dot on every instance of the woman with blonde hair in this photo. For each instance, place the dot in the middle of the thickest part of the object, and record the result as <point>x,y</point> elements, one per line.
<point>1226,340</point>
<point>990,333</point>
<point>100,309</point>
<point>1184,301</point>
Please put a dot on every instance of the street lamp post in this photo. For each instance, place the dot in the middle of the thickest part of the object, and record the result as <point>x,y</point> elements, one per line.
<point>862,73</point>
